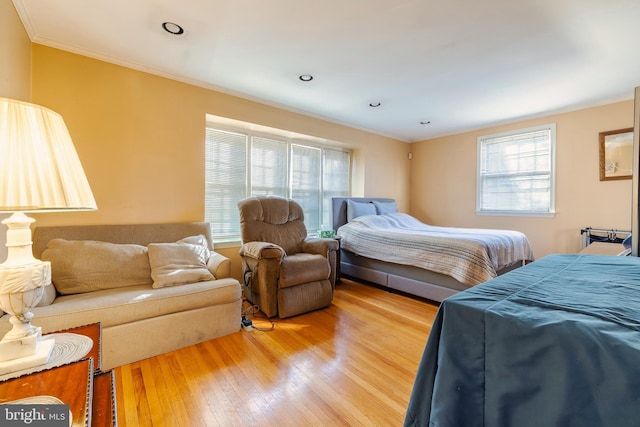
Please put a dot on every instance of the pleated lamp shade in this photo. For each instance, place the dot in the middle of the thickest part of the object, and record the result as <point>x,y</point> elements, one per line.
<point>39,167</point>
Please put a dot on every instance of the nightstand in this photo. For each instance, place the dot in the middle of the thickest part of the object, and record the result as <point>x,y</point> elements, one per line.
<point>338,273</point>
<point>89,392</point>
<point>71,384</point>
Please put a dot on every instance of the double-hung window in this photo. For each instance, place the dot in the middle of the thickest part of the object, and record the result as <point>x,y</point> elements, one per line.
<point>516,172</point>
<point>240,164</point>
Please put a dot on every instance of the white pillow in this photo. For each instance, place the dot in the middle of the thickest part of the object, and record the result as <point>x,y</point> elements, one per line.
<point>199,240</point>
<point>356,209</point>
<point>195,240</point>
<point>178,264</point>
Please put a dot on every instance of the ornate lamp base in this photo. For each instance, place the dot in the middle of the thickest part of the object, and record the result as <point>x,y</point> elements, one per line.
<point>22,281</point>
<point>39,350</point>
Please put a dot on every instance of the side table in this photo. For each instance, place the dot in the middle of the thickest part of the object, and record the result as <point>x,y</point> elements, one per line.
<point>104,411</point>
<point>93,331</point>
<point>93,405</point>
<point>71,384</point>
<point>338,273</point>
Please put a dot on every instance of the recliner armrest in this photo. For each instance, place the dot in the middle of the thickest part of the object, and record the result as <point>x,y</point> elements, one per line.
<point>321,246</point>
<point>219,265</point>
<point>262,250</point>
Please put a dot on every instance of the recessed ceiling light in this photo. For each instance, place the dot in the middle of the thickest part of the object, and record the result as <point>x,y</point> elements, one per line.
<point>374,104</point>
<point>305,77</point>
<point>172,28</point>
<point>425,122</point>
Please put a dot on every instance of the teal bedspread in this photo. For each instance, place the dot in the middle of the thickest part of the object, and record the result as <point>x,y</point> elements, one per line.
<point>555,343</point>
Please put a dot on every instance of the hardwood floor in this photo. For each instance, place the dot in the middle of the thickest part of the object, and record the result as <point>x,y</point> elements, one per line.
<point>350,364</point>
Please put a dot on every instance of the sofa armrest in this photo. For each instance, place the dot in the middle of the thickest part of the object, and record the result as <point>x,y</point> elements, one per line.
<point>321,246</point>
<point>262,250</point>
<point>219,265</point>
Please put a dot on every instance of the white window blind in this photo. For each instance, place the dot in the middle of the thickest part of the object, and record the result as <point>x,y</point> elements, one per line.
<point>225,181</point>
<point>306,179</point>
<point>242,164</point>
<point>337,180</point>
<point>516,172</point>
<point>269,167</point>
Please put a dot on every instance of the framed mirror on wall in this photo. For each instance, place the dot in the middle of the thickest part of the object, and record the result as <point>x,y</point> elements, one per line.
<point>616,154</point>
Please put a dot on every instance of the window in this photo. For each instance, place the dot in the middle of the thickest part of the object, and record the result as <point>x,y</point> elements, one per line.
<point>242,164</point>
<point>516,172</point>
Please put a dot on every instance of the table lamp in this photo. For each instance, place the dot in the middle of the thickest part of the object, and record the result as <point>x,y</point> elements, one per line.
<point>39,172</point>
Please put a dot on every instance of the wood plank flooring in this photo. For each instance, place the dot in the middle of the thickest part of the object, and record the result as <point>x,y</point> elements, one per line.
<point>351,364</point>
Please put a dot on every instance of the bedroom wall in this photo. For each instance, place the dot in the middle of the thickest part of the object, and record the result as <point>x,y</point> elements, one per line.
<point>140,138</point>
<point>443,181</point>
<point>15,72</point>
<point>15,55</point>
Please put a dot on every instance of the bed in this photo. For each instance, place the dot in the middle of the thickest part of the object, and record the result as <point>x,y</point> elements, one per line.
<point>416,258</point>
<point>555,343</point>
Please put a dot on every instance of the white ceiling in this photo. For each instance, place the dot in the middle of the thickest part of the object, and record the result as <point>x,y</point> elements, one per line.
<point>460,64</point>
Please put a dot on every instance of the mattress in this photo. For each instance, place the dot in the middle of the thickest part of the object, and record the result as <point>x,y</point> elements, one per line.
<point>471,256</point>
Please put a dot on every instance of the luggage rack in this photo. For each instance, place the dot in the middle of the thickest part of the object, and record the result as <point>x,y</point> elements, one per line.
<point>589,235</point>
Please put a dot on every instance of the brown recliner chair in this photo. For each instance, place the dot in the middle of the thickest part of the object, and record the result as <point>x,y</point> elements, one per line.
<point>286,273</point>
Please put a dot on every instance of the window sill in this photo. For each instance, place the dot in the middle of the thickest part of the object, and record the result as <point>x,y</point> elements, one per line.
<point>224,244</point>
<point>516,213</point>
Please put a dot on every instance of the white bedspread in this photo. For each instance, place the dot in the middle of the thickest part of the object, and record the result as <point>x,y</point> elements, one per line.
<point>471,256</point>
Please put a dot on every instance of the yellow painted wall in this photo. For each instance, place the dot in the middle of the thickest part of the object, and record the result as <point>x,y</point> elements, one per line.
<point>140,138</point>
<point>443,181</point>
<point>15,55</point>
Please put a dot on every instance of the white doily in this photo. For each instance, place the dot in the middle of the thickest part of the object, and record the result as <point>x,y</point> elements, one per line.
<point>68,348</point>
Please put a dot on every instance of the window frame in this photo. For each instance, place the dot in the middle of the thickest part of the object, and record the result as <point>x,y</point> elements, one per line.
<point>483,139</point>
<point>288,138</point>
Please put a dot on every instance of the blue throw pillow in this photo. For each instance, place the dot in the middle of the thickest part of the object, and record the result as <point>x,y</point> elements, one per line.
<point>384,208</point>
<point>356,209</point>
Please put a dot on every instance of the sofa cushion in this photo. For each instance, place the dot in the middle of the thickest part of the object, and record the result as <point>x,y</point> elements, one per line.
<point>178,263</point>
<point>119,306</point>
<point>86,265</point>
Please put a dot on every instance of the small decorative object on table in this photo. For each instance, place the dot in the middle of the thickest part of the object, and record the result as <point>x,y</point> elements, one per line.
<point>330,234</point>
<point>82,385</point>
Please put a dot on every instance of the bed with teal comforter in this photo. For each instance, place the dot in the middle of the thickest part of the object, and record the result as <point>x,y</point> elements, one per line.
<point>555,343</point>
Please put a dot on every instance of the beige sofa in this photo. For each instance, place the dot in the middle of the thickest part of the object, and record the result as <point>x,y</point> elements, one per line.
<point>130,278</point>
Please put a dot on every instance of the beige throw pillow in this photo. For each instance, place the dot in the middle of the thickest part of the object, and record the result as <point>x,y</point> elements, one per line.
<point>85,265</point>
<point>178,264</point>
<point>195,240</point>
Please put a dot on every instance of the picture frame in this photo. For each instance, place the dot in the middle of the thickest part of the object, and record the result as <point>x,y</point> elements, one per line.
<point>616,154</point>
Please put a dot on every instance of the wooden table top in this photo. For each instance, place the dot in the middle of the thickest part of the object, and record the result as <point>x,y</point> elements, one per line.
<point>71,383</point>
